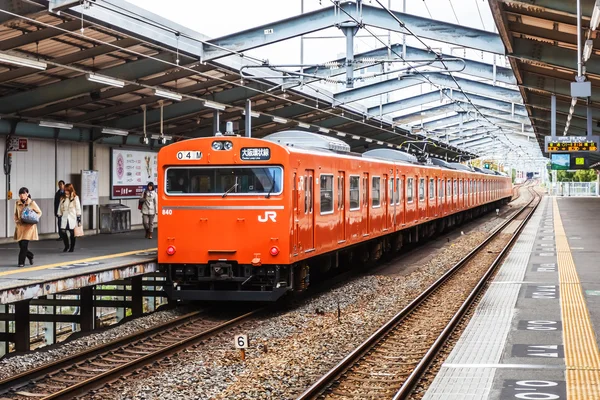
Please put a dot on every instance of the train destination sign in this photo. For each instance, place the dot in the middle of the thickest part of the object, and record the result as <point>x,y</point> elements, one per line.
<point>571,143</point>
<point>255,154</point>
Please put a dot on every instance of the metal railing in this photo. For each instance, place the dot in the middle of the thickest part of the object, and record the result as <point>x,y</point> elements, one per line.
<point>574,189</point>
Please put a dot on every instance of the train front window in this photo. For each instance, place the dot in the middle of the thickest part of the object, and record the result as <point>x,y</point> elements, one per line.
<point>267,180</point>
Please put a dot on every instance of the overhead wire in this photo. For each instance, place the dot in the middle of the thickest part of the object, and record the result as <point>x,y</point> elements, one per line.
<point>439,57</point>
<point>199,73</point>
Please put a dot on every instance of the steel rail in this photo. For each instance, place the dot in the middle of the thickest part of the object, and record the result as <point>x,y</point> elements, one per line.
<point>321,385</point>
<point>120,370</point>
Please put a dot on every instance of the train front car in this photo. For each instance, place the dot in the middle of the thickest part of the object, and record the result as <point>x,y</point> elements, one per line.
<point>224,223</point>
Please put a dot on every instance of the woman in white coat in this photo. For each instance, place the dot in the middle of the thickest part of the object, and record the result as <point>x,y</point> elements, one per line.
<point>149,205</point>
<point>70,212</point>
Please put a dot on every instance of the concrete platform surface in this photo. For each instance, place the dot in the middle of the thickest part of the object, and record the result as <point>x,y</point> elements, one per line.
<point>96,259</point>
<point>533,334</point>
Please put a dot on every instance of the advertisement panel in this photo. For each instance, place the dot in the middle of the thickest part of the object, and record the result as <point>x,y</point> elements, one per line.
<point>131,170</point>
<point>90,194</point>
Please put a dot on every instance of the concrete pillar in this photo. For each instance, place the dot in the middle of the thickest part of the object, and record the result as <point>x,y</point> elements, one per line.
<point>87,310</point>
<point>22,329</point>
<point>137,297</point>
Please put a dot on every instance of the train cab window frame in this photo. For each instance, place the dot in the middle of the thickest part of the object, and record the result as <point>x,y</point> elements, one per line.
<point>431,188</point>
<point>410,190</point>
<point>421,189</point>
<point>354,187</point>
<point>375,192</point>
<point>326,194</point>
<point>228,180</point>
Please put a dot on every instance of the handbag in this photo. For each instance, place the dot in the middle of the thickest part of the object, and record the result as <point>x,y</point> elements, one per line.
<point>28,216</point>
<point>140,203</point>
<point>78,231</point>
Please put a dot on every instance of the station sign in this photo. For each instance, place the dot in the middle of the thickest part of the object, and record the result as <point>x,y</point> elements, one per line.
<point>571,143</point>
<point>569,162</point>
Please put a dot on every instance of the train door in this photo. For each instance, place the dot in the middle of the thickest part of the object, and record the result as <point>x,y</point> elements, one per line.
<point>400,204</point>
<point>307,237</point>
<point>365,205</point>
<point>296,213</point>
<point>341,206</point>
<point>386,199</point>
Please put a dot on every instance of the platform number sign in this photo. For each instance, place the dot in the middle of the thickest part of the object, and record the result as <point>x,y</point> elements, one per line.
<point>241,341</point>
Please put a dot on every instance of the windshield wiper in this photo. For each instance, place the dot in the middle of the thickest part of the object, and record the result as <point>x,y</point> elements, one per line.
<point>272,185</point>
<point>231,188</point>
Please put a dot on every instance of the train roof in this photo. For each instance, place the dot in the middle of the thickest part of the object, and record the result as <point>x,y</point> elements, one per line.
<point>392,155</point>
<point>308,140</point>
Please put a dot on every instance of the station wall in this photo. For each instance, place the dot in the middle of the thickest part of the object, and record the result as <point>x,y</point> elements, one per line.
<point>40,168</point>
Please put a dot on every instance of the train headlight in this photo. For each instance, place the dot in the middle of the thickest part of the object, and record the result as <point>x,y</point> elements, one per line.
<point>171,250</point>
<point>228,145</point>
<point>274,251</point>
<point>217,145</point>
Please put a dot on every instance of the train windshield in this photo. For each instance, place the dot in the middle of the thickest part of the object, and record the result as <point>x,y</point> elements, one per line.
<point>223,180</point>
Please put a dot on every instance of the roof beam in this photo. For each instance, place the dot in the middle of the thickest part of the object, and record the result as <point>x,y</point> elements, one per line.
<point>438,79</point>
<point>454,107</point>
<point>407,103</point>
<point>471,67</point>
<point>39,35</point>
<point>79,85</point>
<point>163,31</point>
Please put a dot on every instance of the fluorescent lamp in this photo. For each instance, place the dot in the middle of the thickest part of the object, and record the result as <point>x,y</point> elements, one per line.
<point>587,49</point>
<point>105,80</point>
<point>595,16</point>
<point>168,95</point>
<point>573,101</point>
<point>355,137</point>
<point>368,140</point>
<point>391,145</point>
<point>303,125</point>
<point>323,130</point>
<point>53,124</point>
<point>253,114</point>
<point>158,137</point>
<point>23,62</point>
<point>379,142</point>
<point>280,120</point>
<point>342,134</point>
<point>116,132</point>
<point>216,106</point>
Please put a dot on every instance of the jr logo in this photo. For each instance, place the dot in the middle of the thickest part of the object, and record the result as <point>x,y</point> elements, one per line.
<point>269,215</point>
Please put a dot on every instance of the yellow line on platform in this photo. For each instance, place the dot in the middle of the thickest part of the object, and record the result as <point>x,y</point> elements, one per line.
<point>582,357</point>
<point>42,267</point>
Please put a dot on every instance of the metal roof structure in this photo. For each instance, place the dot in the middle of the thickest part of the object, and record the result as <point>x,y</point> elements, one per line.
<point>541,42</point>
<point>114,73</point>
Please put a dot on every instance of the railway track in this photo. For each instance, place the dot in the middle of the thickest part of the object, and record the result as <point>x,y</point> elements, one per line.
<point>394,358</point>
<point>92,369</point>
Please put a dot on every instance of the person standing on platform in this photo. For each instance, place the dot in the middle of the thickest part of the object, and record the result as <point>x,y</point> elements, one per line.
<point>149,202</point>
<point>70,213</point>
<point>57,197</point>
<point>26,224</point>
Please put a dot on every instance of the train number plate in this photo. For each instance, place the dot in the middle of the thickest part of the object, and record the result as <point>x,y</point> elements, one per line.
<point>189,155</point>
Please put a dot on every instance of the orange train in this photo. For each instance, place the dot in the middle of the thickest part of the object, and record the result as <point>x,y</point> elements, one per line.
<point>245,219</point>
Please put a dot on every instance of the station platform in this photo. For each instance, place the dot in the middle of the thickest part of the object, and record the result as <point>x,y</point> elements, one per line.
<point>533,335</point>
<point>96,259</point>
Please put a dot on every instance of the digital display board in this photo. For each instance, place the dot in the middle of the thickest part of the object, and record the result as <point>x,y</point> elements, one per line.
<point>571,162</point>
<point>560,161</point>
<point>571,143</point>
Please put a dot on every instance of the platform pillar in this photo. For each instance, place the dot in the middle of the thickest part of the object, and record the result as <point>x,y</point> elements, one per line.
<point>137,296</point>
<point>3,344</point>
<point>22,329</point>
<point>50,327</point>
<point>87,310</point>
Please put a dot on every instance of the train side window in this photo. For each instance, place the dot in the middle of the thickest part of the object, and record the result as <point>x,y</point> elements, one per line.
<point>440,189</point>
<point>365,195</point>
<point>431,188</point>
<point>455,188</point>
<point>340,193</point>
<point>295,194</point>
<point>392,193</point>
<point>354,193</point>
<point>306,194</point>
<point>448,187</point>
<point>460,187</point>
<point>422,189</point>
<point>326,194</point>
<point>376,192</point>
<point>409,190</point>
<point>399,189</point>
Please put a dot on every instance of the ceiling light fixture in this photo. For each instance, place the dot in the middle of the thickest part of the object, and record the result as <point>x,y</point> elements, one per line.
<point>105,80</point>
<point>168,95</point>
<point>158,137</point>
<point>213,105</point>
<point>116,132</point>
<point>323,130</point>
<point>22,62</point>
<point>280,120</point>
<point>587,49</point>
<point>303,125</point>
<point>595,21</point>
<point>254,114</point>
<point>54,124</point>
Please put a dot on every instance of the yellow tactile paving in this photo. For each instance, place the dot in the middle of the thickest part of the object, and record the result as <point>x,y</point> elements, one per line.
<point>42,267</point>
<point>582,357</point>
